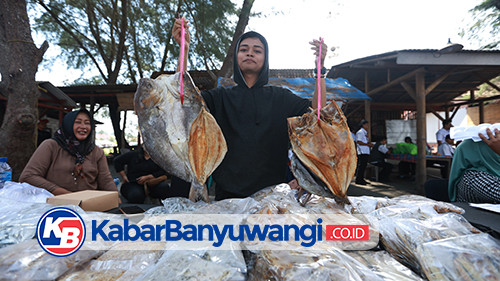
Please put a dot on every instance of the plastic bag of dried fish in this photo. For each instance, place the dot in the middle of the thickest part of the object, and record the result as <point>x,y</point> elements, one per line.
<point>186,206</point>
<point>384,265</point>
<point>367,204</point>
<point>440,207</point>
<point>401,236</point>
<point>333,264</point>
<point>175,205</point>
<point>18,219</point>
<point>279,199</point>
<point>28,261</point>
<point>118,263</point>
<point>197,265</point>
<point>470,257</point>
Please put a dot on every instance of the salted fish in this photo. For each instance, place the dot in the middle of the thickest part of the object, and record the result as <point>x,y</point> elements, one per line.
<point>324,160</point>
<point>182,138</point>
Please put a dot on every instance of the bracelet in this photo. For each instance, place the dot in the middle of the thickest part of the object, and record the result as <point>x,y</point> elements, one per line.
<point>323,71</point>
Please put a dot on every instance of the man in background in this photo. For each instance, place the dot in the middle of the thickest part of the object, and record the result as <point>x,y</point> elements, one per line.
<point>43,132</point>
<point>363,146</point>
<point>441,133</point>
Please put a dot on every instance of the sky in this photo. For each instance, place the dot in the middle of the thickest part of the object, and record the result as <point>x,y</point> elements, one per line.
<point>356,28</point>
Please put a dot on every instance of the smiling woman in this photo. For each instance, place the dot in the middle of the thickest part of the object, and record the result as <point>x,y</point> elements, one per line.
<point>70,161</point>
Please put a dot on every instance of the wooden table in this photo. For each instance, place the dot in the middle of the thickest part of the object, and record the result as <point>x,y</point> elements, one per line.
<point>431,159</point>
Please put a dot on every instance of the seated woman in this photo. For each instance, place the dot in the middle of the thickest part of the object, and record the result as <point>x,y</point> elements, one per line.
<point>70,161</point>
<point>377,157</point>
<point>475,171</point>
<point>143,177</point>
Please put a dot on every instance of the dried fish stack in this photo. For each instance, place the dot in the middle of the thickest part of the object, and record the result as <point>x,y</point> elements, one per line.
<point>118,262</point>
<point>470,257</point>
<point>333,264</point>
<point>28,261</point>
<point>401,236</point>
<point>197,265</point>
<point>384,265</point>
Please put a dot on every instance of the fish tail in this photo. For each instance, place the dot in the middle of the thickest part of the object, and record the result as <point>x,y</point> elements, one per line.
<point>198,192</point>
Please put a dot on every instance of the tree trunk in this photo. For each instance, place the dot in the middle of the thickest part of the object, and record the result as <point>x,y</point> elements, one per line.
<point>18,66</point>
<point>227,67</point>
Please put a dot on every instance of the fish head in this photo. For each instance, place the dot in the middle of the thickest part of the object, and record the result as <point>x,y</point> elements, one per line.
<point>148,95</point>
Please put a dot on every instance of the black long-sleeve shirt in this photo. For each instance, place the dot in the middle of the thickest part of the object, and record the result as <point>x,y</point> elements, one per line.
<point>137,165</point>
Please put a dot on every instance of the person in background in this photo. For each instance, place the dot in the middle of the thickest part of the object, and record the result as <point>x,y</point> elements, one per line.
<point>252,117</point>
<point>363,146</point>
<point>446,148</point>
<point>70,161</point>
<point>377,157</point>
<point>474,175</point>
<point>475,171</point>
<point>406,169</point>
<point>43,133</point>
<point>441,133</point>
<point>143,177</point>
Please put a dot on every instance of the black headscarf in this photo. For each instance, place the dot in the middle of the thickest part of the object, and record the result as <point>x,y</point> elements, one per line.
<point>264,72</point>
<point>66,138</point>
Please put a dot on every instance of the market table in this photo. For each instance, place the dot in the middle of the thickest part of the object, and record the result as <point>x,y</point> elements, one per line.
<point>486,221</point>
<point>431,159</point>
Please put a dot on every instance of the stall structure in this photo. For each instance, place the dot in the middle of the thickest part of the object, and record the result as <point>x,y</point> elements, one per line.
<point>418,81</point>
<point>52,102</point>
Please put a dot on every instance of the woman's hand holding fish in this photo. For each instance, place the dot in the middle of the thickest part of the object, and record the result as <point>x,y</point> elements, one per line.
<point>324,49</point>
<point>176,32</point>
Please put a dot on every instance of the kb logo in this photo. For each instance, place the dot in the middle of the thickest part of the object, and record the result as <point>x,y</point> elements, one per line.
<point>60,232</point>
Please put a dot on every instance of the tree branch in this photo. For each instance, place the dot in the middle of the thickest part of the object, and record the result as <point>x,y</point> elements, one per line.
<point>77,40</point>
<point>165,52</point>
<point>94,29</point>
<point>227,66</point>
<point>121,44</point>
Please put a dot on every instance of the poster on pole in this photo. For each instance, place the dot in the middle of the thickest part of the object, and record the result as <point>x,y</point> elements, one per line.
<point>398,130</point>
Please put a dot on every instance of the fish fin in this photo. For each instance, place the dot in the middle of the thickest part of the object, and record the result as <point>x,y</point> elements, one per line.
<point>206,146</point>
<point>198,192</point>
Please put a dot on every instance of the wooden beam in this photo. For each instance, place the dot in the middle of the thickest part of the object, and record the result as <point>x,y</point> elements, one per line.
<point>421,170</point>
<point>409,90</point>
<point>368,113</point>
<point>481,112</point>
<point>436,114</point>
<point>493,85</point>
<point>396,81</point>
<point>438,81</point>
<point>474,101</point>
<point>454,112</point>
<point>368,118</point>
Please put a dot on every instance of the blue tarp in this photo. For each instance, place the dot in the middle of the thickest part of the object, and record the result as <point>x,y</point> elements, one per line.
<point>338,89</point>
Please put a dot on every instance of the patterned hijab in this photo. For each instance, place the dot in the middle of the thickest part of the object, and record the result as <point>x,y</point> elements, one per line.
<point>66,138</point>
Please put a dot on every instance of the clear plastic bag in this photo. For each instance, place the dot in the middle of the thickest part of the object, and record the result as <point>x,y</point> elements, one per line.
<point>367,204</point>
<point>401,236</point>
<point>24,192</point>
<point>384,265</point>
<point>328,265</point>
<point>197,265</point>
<point>179,205</point>
<point>470,257</point>
<point>116,264</point>
<point>28,261</point>
<point>18,220</point>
